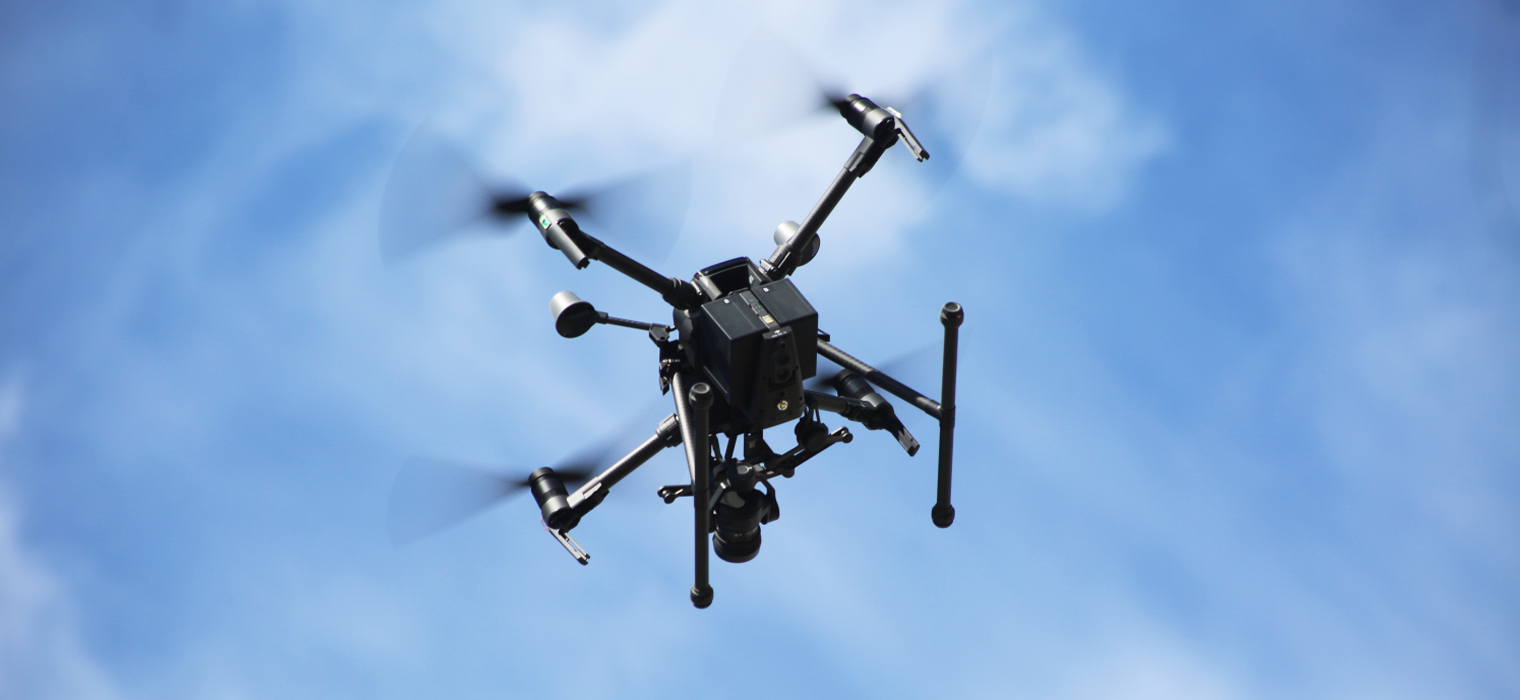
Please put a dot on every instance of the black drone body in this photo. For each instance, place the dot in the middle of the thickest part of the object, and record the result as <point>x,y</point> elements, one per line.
<point>742,341</point>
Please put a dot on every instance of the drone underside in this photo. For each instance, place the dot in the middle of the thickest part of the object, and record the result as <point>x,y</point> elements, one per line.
<point>742,343</point>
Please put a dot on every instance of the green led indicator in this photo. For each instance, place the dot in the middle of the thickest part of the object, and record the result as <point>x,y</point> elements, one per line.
<point>543,221</point>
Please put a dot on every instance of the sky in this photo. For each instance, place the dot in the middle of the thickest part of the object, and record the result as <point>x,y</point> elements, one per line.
<point>1238,398</point>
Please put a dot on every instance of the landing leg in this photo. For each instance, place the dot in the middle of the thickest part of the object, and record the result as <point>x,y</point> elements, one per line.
<point>692,404</point>
<point>952,316</point>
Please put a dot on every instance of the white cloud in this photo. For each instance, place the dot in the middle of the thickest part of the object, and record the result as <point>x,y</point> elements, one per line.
<point>1059,133</point>
<point>568,102</point>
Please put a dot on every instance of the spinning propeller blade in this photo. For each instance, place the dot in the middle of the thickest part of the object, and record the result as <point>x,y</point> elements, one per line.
<point>918,368</point>
<point>644,212</point>
<point>432,495</point>
<point>771,87</point>
<point>824,380</point>
<point>436,194</point>
<point>433,194</point>
<point>918,365</point>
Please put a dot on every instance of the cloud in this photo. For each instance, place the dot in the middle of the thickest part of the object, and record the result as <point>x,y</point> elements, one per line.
<point>252,338</point>
<point>42,654</point>
<point>1009,92</point>
<point>1149,665</point>
<point>1057,132</point>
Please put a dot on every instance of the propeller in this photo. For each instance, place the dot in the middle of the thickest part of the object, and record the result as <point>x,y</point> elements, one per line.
<point>432,495</point>
<point>906,367</point>
<point>771,87</point>
<point>918,368</point>
<point>834,99</point>
<point>824,379</point>
<point>435,194</point>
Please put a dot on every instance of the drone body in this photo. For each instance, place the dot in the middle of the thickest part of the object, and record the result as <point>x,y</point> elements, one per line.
<point>742,342</point>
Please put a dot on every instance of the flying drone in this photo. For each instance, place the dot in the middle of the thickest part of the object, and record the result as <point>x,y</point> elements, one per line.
<point>742,343</point>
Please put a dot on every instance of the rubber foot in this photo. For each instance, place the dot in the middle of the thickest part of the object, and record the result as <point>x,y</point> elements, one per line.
<point>943,515</point>
<point>701,597</point>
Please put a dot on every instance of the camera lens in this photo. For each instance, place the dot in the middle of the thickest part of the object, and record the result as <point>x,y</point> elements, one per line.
<point>737,539</point>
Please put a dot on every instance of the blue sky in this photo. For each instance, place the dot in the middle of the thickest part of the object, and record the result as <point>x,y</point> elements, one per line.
<point>1239,396</point>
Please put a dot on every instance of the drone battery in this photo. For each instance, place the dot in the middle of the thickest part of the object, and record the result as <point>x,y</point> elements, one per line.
<point>756,344</point>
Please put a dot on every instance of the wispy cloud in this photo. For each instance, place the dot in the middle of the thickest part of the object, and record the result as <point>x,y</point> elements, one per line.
<point>42,652</point>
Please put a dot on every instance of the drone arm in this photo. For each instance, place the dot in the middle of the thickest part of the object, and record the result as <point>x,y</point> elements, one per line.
<point>562,233</point>
<point>787,256</point>
<point>673,291</point>
<point>881,128</point>
<point>591,493</point>
<point>951,316</point>
<point>872,416</point>
<point>879,378</point>
<point>843,405</point>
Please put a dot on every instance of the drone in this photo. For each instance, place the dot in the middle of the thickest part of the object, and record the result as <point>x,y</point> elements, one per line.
<point>737,357</point>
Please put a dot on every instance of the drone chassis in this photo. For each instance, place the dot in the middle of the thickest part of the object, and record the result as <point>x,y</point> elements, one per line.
<point>744,341</point>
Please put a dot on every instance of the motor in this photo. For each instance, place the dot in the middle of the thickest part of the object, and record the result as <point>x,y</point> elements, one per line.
<point>549,490</point>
